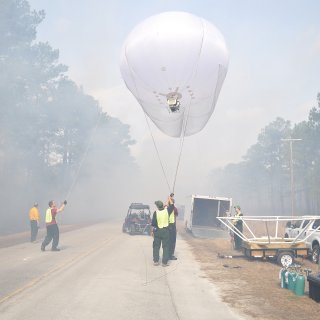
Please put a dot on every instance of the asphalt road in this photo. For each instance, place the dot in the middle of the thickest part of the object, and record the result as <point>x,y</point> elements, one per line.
<point>101,273</point>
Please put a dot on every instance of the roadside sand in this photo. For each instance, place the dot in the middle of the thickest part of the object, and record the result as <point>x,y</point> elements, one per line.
<point>251,286</point>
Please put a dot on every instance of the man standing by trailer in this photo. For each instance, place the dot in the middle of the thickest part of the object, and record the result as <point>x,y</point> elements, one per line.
<point>52,227</point>
<point>34,218</point>
<point>238,225</point>
<point>160,224</point>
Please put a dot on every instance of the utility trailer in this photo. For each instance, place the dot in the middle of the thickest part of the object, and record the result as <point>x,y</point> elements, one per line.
<point>283,252</point>
<point>201,214</point>
<point>271,242</point>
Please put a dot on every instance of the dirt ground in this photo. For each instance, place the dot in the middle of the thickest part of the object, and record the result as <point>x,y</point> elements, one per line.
<point>252,286</point>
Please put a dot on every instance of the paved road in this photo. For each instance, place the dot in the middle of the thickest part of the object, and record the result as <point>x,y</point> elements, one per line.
<point>101,273</point>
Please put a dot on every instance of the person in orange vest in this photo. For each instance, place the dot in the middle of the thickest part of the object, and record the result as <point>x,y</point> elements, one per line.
<point>52,227</point>
<point>34,218</point>
<point>160,224</point>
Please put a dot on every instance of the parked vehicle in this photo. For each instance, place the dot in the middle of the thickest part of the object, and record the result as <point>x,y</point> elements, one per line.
<point>201,214</point>
<point>306,228</point>
<point>138,219</point>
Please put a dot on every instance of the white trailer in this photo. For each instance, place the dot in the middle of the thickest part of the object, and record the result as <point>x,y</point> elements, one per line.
<point>201,214</point>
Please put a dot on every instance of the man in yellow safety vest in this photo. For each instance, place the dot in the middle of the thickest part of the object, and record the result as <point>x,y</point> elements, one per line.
<point>160,224</point>
<point>238,226</point>
<point>52,227</point>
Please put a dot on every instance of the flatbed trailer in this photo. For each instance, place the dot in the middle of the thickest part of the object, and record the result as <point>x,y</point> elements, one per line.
<point>283,253</point>
<point>281,249</point>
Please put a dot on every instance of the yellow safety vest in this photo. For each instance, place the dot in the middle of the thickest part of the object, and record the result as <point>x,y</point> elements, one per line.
<point>34,214</point>
<point>162,218</point>
<point>48,216</point>
<point>237,218</point>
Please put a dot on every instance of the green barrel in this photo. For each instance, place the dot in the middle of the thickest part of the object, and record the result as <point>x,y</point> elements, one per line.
<point>299,286</point>
<point>292,276</point>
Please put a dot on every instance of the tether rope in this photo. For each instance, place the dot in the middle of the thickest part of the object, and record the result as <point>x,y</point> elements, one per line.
<point>157,151</point>
<point>185,121</point>
<point>84,156</point>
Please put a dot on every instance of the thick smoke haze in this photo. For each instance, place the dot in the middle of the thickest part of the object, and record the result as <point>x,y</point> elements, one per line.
<point>69,128</point>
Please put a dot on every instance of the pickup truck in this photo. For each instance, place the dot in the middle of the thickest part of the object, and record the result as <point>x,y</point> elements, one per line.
<point>309,229</point>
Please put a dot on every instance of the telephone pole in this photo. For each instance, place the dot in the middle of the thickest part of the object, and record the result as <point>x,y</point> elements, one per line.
<point>291,174</point>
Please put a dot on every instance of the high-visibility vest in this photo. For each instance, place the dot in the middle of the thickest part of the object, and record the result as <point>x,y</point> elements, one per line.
<point>34,214</point>
<point>172,217</point>
<point>162,218</point>
<point>237,218</point>
<point>48,216</point>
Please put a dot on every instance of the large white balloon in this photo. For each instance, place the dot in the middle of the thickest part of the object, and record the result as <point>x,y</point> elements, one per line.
<point>175,63</point>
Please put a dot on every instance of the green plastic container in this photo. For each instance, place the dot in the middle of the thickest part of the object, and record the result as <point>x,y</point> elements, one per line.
<point>299,285</point>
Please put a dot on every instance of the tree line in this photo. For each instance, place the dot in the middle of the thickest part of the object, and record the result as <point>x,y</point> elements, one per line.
<point>277,176</point>
<point>49,126</point>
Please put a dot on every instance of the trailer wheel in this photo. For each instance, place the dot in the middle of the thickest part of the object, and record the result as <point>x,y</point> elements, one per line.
<point>285,259</point>
<point>315,253</point>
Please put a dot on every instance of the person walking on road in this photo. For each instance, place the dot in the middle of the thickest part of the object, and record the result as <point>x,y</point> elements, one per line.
<point>172,229</point>
<point>34,218</point>
<point>52,227</point>
<point>238,225</point>
<point>160,224</point>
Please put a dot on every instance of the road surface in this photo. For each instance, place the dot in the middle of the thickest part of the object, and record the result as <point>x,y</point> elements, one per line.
<point>102,273</point>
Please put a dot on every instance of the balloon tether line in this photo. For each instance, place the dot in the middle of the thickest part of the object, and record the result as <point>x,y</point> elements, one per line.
<point>181,147</point>
<point>186,119</point>
<point>84,156</point>
<point>158,154</point>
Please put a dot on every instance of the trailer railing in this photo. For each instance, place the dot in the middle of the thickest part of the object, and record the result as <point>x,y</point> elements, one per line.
<point>267,220</point>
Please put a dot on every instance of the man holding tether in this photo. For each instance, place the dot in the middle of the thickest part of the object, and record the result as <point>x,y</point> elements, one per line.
<point>52,227</point>
<point>160,224</point>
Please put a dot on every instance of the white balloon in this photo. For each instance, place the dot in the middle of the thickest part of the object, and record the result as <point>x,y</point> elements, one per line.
<point>175,58</point>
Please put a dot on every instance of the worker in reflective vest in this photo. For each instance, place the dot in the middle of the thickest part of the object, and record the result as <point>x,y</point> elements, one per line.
<point>172,229</point>
<point>160,224</point>
<point>34,217</point>
<point>52,227</point>
<point>238,225</point>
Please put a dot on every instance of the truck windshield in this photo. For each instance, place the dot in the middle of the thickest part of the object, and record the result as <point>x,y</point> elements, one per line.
<point>316,224</point>
<point>305,222</point>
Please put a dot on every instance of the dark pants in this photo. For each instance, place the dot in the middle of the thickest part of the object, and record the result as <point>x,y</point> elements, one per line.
<point>172,238</point>
<point>237,239</point>
<point>52,234</point>
<point>34,230</point>
<point>161,236</point>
